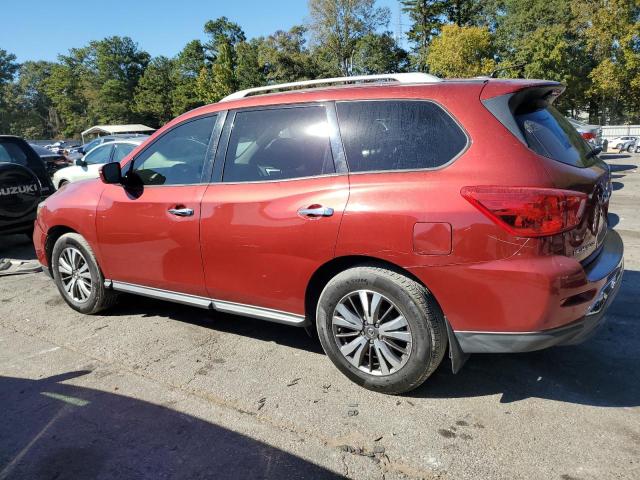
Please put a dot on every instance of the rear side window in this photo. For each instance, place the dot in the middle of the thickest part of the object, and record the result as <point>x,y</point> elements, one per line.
<point>279,144</point>
<point>551,135</point>
<point>398,135</point>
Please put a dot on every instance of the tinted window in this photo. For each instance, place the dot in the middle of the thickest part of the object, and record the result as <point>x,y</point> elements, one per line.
<point>278,144</point>
<point>18,151</point>
<point>398,135</point>
<point>178,157</point>
<point>549,134</point>
<point>98,155</point>
<point>121,150</point>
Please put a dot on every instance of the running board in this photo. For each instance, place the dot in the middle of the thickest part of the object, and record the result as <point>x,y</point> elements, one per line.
<point>261,313</point>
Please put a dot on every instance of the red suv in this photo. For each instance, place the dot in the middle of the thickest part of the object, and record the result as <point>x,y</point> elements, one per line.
<point>397,216</point>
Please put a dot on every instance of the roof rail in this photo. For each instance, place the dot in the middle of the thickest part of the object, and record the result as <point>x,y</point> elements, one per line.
<point>412,77</point>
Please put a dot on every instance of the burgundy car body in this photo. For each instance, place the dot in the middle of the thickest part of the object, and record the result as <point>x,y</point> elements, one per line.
<point>247,250</point>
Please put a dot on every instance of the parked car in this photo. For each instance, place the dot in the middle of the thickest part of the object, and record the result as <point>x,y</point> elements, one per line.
<point>78,152</point>
<point>343,210</point>
<point>591,133</point>
<point>623,143</point>
<point>53,161</point>
<point>56,147</point>
<point>89,166</point>
<point>24,183</point>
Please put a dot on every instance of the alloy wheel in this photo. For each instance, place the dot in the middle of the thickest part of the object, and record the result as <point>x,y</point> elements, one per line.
<point>75,274</point>
<point>371,332</point>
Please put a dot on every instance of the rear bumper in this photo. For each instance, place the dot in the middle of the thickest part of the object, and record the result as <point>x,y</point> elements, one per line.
<point>604,274</point>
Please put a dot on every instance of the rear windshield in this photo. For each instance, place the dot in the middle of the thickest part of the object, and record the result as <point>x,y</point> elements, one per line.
<point>549,134</point>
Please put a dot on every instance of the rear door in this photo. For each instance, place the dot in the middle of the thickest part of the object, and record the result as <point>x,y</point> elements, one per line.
<point>271,216</point>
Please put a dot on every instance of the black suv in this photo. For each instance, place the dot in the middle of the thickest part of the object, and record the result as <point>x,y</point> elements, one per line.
<point>23,184</point>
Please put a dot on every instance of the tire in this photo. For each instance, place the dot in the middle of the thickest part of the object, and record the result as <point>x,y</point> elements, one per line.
<point>65,250</point>
<point>425,326</point>
<point>62,183</point>
<point>630,148</point>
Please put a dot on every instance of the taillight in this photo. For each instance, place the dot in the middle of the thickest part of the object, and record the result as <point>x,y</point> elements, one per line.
<point>528,211</point>
<point>588,135</point>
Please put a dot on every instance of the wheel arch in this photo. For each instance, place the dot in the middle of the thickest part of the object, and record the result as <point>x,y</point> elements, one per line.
<point>53,234</point>
<point>339,264</point>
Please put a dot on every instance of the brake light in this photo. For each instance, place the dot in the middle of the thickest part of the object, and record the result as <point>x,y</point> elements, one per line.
<point>528,211</point>
<point>588,135</point>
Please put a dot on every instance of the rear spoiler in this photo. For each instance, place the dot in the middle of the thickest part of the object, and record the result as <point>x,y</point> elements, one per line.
<point>504,99</point>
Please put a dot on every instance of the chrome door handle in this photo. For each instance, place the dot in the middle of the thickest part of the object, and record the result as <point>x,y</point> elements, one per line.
<point>316,212</point>
<point>181,212</point>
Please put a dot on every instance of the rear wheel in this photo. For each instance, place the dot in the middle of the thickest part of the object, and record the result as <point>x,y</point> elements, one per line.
<point>381,329</point>
<point>630,148</point>
<point>77,275</point>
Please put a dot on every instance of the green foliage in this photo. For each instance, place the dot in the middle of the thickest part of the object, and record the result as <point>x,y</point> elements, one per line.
<point>153,95</point>
<point>338,25</point>
<point>592,46</point>
<point>186,68</point>
<point>379,53</point>
<point>461,52</point>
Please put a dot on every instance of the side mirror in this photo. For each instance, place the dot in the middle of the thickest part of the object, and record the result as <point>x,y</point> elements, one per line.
<point>111,173</point>
<point>80,162</point>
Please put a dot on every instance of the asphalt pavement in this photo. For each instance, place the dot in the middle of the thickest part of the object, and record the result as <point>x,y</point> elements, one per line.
<point>158,390</point>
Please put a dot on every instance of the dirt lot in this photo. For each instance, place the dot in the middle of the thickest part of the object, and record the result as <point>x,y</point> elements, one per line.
<point>156,390</point>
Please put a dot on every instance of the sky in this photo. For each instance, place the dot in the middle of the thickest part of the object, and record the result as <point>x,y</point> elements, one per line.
<point>43,29</point>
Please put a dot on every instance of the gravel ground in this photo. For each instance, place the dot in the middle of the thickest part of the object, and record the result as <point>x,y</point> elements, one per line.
<point>157,390</point>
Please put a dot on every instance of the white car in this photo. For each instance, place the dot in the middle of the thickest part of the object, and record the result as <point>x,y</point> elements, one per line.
<point>623,143</point>
<point>89,165</point>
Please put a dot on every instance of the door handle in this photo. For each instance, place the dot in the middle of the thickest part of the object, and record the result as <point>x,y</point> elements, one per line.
<point>181,212</point>
<point>316,211</point>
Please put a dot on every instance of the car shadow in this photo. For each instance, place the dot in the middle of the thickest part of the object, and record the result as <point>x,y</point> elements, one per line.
<point>621,168</point>
<point>602,371</point>
<point>54,430</point>
<point>17,247</point>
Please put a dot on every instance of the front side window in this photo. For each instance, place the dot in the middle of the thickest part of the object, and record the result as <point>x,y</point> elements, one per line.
<point>178,157</point>
<point>279,144</point>
<point>98,155</point>
<point>383,135</point>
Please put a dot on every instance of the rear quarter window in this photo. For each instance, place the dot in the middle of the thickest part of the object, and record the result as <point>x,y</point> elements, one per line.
<point>383,135</point>
<point>551,135</point>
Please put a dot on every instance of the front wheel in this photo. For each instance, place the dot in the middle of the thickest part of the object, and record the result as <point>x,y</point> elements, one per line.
<point>381,329</point>
<point>630,148</point>
<point>77,275</point>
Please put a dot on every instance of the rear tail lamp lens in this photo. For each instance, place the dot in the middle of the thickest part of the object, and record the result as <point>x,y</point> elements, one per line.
<point>588,135</point>
<point>528,211</point>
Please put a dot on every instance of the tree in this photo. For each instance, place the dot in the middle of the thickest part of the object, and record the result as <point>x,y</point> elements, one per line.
<point>153,95</point>
<point>461,52</point>
<point>285,56</point>
<point>186,68</point>
<point>426,22</point>
<point>8,68</point>
<point>117,64</point>
<point>463,13</point>
<point>35,116</point>
<point>220,31</point>
<point>249,72</point>
<point>379,53</point>
<point>339,24</point>
<point>218,81</point>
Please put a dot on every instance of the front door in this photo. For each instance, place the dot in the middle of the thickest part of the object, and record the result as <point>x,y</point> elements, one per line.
<point>149,232</point>
<point>271,217</point>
